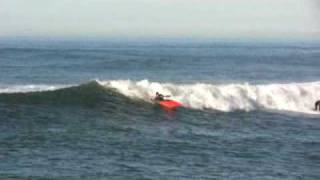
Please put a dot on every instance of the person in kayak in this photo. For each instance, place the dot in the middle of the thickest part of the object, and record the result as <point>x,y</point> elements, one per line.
<point>317,105</point>
<point>160,97</point>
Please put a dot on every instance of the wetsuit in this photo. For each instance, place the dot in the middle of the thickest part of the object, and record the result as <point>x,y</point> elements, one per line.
<point>317,106</point>
<point>159,97</point>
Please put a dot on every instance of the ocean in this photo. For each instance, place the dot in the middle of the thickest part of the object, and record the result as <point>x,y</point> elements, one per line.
<point>84,110</point>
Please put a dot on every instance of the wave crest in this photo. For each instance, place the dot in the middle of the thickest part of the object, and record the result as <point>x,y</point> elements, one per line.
<point>88,94</point>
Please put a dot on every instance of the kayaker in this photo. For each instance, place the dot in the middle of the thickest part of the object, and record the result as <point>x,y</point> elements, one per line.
<point>317,105</point>
<point>160,97</point>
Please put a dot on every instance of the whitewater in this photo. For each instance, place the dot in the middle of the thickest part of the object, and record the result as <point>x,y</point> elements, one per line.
<point>298,97</point>
<point>295,97</point>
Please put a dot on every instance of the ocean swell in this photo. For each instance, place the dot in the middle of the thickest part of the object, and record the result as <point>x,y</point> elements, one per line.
<point>89,94</point>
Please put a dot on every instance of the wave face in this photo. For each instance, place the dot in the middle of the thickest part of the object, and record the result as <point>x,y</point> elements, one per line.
<point>297,97</point>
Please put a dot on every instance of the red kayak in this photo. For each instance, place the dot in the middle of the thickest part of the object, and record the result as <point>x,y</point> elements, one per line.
<point>170,104</point>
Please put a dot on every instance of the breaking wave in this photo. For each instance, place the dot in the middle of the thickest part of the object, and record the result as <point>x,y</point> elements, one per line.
<point>297,97</point>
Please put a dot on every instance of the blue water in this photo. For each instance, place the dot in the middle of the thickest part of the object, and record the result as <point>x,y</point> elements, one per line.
<point>61,116</point>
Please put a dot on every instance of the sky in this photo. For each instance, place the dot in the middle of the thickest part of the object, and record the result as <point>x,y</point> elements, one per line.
<point>161,18</point>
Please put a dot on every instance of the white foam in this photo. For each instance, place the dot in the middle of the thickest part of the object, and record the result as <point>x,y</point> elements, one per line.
<point>298,97</point>
<point>28,88</point>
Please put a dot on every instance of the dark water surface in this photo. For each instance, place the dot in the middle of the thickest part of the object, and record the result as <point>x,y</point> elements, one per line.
<point>92,131</point>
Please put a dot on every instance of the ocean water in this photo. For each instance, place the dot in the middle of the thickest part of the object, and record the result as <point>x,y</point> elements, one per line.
<point>83,110</point>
